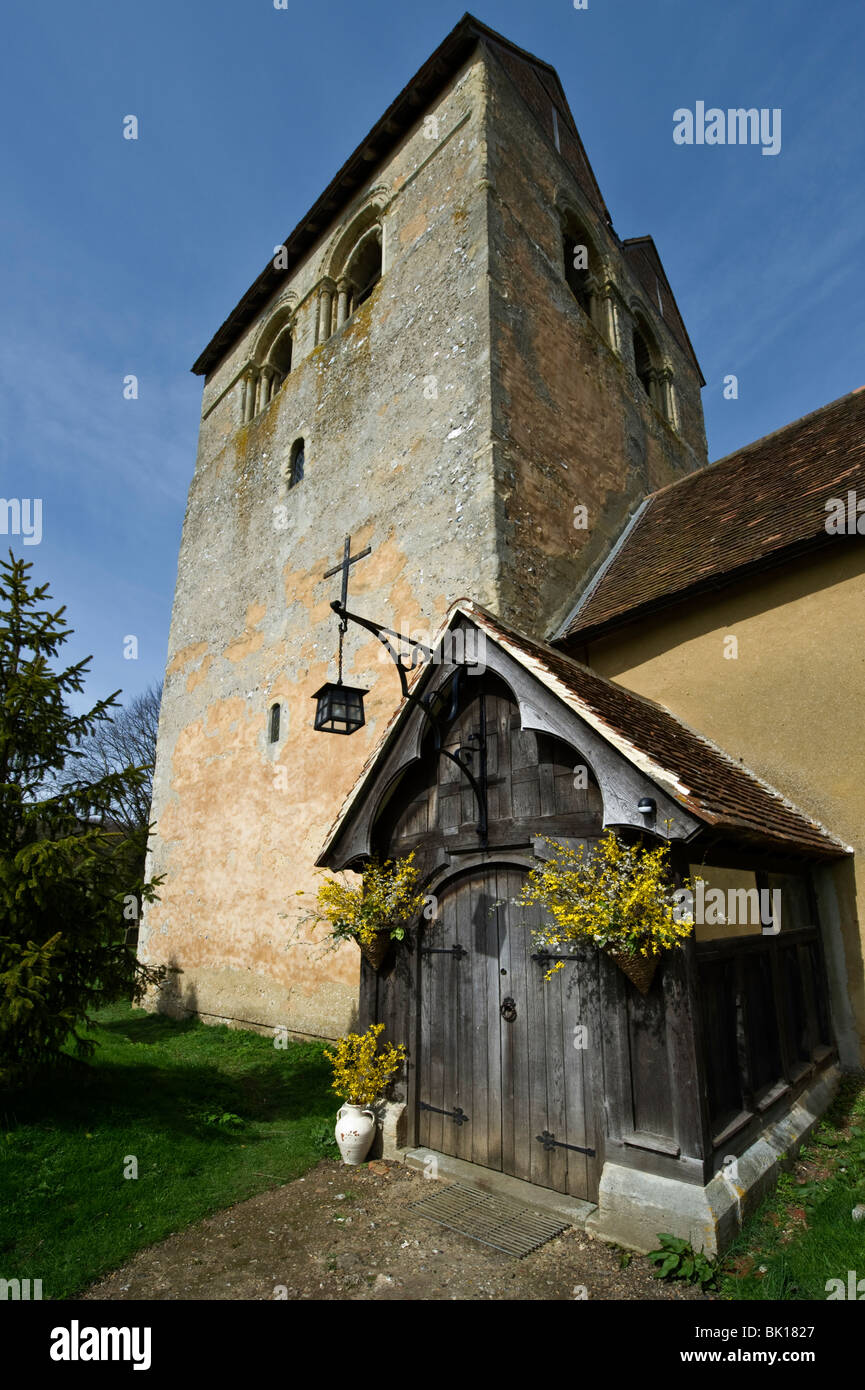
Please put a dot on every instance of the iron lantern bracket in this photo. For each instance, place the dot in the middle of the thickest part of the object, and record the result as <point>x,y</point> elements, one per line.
<point>384,634</point>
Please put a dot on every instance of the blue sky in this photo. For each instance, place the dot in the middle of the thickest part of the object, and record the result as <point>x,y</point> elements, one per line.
<point>121,257</point>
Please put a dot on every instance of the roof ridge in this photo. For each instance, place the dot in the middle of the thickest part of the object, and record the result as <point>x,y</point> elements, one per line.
<point>755,443</point>
<point>752,509</point>
<point>800,420</point>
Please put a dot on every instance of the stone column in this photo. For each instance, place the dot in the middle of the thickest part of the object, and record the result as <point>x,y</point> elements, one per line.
<point>625,324</point>
<point>266,383</point>
<point>610,321</point>
<point>244,396</point>
<point>669,407</point>
<point>596,306</point>
<point>325,310</point>
<point>344,290</point>
<point>656,390</point>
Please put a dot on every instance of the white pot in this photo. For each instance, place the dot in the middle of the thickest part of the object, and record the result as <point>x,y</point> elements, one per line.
<point>355,1128</point>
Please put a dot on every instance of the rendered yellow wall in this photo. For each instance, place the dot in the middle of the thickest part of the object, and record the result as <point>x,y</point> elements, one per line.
<point>790,704</point>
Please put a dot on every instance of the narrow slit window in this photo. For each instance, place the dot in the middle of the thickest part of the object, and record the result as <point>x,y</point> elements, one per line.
<point>296,463</point>
<point>274,723</point>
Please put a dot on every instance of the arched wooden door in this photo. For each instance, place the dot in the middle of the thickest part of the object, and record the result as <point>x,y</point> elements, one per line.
<point>505,1056</point>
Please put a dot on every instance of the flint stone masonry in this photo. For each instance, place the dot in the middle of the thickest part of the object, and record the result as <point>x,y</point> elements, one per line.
<point>452,423</point>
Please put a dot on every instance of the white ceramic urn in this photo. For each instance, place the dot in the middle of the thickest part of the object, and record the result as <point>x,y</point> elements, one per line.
<point>355,1128</point>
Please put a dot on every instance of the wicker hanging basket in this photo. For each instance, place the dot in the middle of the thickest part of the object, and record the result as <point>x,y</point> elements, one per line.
<point>375,954</point>
<point>640,970</point>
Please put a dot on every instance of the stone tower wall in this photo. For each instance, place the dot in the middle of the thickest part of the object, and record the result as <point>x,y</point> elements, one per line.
<point>393,458</point>
<point>451,423</point>
<point>572,424</point>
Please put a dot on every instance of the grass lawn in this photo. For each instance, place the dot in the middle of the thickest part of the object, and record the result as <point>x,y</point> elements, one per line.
<point>211,1114</point>
<point>804,1234</point>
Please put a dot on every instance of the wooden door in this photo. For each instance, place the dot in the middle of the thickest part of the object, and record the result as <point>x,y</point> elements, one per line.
<point>502,1063</point>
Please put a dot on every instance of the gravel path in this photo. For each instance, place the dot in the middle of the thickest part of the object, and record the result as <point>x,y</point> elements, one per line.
<point>344,1233</point>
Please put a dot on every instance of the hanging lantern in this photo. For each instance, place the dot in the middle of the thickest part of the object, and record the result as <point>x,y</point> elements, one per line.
<point>339,708</point>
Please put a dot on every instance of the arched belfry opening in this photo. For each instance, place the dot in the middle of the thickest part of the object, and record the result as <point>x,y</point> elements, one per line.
<point>363,270</point>
<point>643,364</point>
<point>279,357</point>
<point>271,361</point>
<point>655,379</point>
<point>581,263</point>
<point>354,267</point>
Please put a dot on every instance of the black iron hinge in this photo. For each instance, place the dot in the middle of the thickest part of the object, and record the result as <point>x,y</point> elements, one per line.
<point>549,1143</point>
<point>458,1116</point>
<point>543,956</point>
<point>456,951</point>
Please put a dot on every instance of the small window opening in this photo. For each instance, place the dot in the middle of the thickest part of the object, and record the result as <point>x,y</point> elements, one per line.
<point>274,723</point>
<point>296,462</point>
<point>580,265</point>
<point>280,356</point>
<point>364,272</point>
<point>643,362</point>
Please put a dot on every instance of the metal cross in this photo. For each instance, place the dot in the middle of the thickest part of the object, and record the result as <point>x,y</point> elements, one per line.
<point>347,559</point>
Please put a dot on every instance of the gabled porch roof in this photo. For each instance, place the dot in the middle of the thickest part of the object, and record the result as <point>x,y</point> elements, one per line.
<point>693,772</point>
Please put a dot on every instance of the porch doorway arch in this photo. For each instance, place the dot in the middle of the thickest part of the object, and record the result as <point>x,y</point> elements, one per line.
<point>505,1058</point>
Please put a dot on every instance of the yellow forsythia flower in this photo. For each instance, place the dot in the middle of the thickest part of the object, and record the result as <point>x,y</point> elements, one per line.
<point>359,1075</point>
<point>386,898</point>
<point>617,895</point>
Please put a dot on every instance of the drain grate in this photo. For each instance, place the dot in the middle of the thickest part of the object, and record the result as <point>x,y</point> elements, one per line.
<point>495,1221</point>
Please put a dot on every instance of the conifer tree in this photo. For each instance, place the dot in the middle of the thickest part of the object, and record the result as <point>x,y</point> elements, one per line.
<point>65,875</point>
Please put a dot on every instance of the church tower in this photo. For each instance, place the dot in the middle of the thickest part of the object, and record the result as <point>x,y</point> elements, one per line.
<point>454,360</point>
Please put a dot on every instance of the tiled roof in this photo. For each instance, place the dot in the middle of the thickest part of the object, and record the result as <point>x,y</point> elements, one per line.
<point>719,791</point>
<point>754,507</point>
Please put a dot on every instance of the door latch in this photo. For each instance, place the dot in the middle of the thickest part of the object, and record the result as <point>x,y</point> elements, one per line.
<point>508,1009</point>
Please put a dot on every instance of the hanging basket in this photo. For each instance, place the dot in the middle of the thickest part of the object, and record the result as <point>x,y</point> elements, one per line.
<point>377,951</point>
<point>640,970</point>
